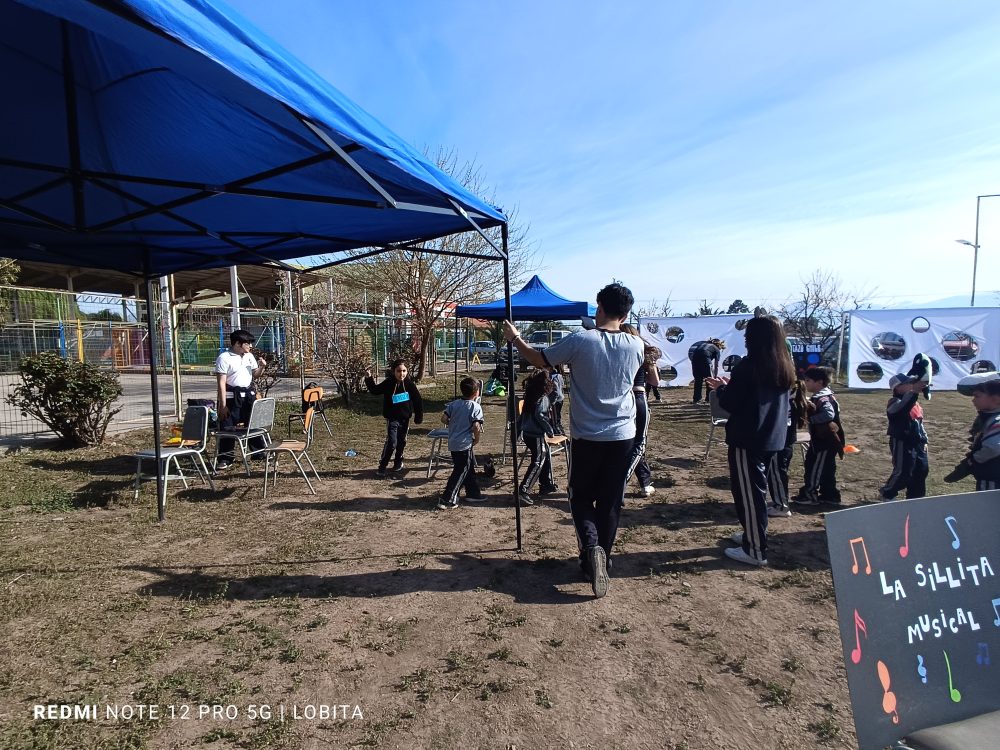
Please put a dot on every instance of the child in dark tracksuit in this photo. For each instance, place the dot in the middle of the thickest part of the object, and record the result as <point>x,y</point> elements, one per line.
<point>777,470</point>
<point>400,401</point>
<point>826,441</point>
<point>907,440</point>
<point>534,426</point>
<point>558,397</point>
<point>983,459</point>
<point>464,418</point>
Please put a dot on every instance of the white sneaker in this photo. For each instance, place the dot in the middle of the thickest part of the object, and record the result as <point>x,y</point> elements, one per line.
<point>737,537</point>
<point>737,554</point>
<point>773,511</point>
<point>648,490</point>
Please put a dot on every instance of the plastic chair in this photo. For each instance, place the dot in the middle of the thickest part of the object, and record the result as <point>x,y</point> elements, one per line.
<point>718,415</point>
<point>259,425</point>
<point>297,449</point>
<point>194,441</point>
<point>311,397</point>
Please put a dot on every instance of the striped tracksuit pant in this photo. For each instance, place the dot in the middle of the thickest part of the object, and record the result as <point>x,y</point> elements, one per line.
<point>777,476</point>
<point>821,475</point>
<point>540,466</point>
<point>637,458</point>
<point>909,470</point>
<point>748,480</point>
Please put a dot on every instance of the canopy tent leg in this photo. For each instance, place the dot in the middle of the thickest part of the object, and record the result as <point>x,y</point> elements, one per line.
<point>455,349</point>
<point>511,396</point>
<point>150,319</point>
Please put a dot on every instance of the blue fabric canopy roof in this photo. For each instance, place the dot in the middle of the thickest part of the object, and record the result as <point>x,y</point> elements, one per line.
<point>535,301</point>
<point>158,135</point>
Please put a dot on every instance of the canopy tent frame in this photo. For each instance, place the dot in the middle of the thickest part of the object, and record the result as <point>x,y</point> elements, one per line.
<point>146,251</point>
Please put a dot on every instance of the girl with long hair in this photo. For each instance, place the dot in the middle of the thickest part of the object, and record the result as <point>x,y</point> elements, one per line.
<point>535,425</point>
<point>756,397</point>
<point>400,401</point>
<point>637,458</point>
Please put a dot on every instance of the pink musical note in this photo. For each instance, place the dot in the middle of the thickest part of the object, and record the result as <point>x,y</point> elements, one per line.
<point>888,697</point>
<point>905,549</point>
<point>859,624</point>
<point>868,565</point>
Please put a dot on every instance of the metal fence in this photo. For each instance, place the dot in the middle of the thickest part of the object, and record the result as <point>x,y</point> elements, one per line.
<point>111,332</point>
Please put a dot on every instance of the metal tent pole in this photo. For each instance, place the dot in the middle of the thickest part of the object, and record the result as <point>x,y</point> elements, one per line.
<point>511,396</point>
<point>161,509</point>
<point>175,349</point>
<point>455,351</point>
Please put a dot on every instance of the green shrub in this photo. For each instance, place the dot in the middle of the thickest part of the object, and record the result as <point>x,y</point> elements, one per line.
<point>73,399</point>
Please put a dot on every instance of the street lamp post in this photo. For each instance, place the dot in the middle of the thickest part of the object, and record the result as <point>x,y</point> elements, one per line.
<point>975,245</point>
<point>975,262</point>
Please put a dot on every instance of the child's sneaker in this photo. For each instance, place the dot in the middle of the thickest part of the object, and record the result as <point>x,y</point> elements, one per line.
<point>806,499</point>
<point>525,498</point>
<point>445,505</point>
<point>548,489</point>
<point>648,490</point>
<point>475,498</point>
<point>776,511</point>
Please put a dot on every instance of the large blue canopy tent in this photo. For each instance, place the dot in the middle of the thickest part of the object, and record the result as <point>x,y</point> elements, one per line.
<point>534,301</point>
<point>152,136</point>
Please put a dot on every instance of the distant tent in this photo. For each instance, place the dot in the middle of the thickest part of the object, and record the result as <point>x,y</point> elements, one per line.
<point>535,301</point>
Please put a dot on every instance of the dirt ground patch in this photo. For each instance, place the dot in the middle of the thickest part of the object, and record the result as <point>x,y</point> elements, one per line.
<point>429,624</point>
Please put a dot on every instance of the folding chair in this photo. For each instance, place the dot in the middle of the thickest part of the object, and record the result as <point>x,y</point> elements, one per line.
<point>297,449</point>
<point>557,444</point>
<point>194,440</point>
<point>259,425</point>
<point>311,397</point>
<point>719,417</point>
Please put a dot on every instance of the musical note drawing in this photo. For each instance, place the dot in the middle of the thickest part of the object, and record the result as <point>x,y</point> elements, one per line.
<point>983,657</point>
<point>996,603</point>
<point>888,697</point>
<point>921,669</point>
<point>868,565</point>
<point>955,695</point>
<point>859,624</point>
<point>905,549</point>
<point>950,521</point>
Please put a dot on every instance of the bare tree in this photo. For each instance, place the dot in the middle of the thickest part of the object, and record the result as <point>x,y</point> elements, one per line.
<point>816,314</point>
<point>654,309</point>
<point>426,284</point>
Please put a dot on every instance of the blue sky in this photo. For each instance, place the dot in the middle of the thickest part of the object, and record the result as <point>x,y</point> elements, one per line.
<point>697,150</point>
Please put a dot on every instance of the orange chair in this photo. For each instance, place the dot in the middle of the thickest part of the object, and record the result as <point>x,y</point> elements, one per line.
<point>297,449</point>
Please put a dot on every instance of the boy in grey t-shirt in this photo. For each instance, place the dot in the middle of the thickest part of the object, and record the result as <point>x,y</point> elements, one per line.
<point>603,364</point>
<point>464,418</point>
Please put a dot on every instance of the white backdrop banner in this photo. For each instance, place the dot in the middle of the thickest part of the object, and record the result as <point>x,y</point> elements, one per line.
<point>959,340</point>
<point>674,336</point>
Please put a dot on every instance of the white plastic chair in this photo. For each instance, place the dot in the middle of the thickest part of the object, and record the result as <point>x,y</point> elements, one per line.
<point>194,440</point>
<point>719,417</point>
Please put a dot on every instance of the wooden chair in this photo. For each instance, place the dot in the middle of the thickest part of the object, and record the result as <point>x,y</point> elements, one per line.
<point>313,397</point>
<point>297,449</point>
<point>194,441</point>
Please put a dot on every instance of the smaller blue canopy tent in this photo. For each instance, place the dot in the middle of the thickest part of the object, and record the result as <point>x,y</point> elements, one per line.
<point>535,301</point>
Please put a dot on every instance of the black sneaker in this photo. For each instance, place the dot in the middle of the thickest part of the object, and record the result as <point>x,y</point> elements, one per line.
<point>548,489</point>
<point>599,566</point>
<point>381,471</point>
<point>397,467</point>
<point>806,500</point>
<point>223,466</point>
<point>525,498</point>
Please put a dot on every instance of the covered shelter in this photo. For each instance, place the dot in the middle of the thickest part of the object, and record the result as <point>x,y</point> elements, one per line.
<point>534,301</point>
<point>158,136</point>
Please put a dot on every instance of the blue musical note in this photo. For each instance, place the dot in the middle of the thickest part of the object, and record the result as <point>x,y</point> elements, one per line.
<point>921,669</point>
<point>950,521</point>
<point>983,657</point>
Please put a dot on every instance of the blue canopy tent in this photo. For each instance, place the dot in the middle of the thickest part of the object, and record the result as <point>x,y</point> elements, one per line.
<point>535,301</point>
<point>152,136</point>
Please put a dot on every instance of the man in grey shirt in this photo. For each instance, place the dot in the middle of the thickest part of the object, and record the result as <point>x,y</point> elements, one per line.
<point>603,363</point>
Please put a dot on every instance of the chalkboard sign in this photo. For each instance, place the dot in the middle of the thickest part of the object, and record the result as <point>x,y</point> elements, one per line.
<point>918,604</point>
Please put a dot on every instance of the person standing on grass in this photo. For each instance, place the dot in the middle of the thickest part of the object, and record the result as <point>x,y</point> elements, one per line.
<point>907,439</point>
<point>400,401</point>
<point>756,397</point>
<point>826,441</point>
<point>534,426</point>
<point>603,362</point>
<point>637,458</point>
<point>704,356</point>
<point>983,459</point>
<point>235,370</point>
<point>464,417</point>
<point>653,354</point>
